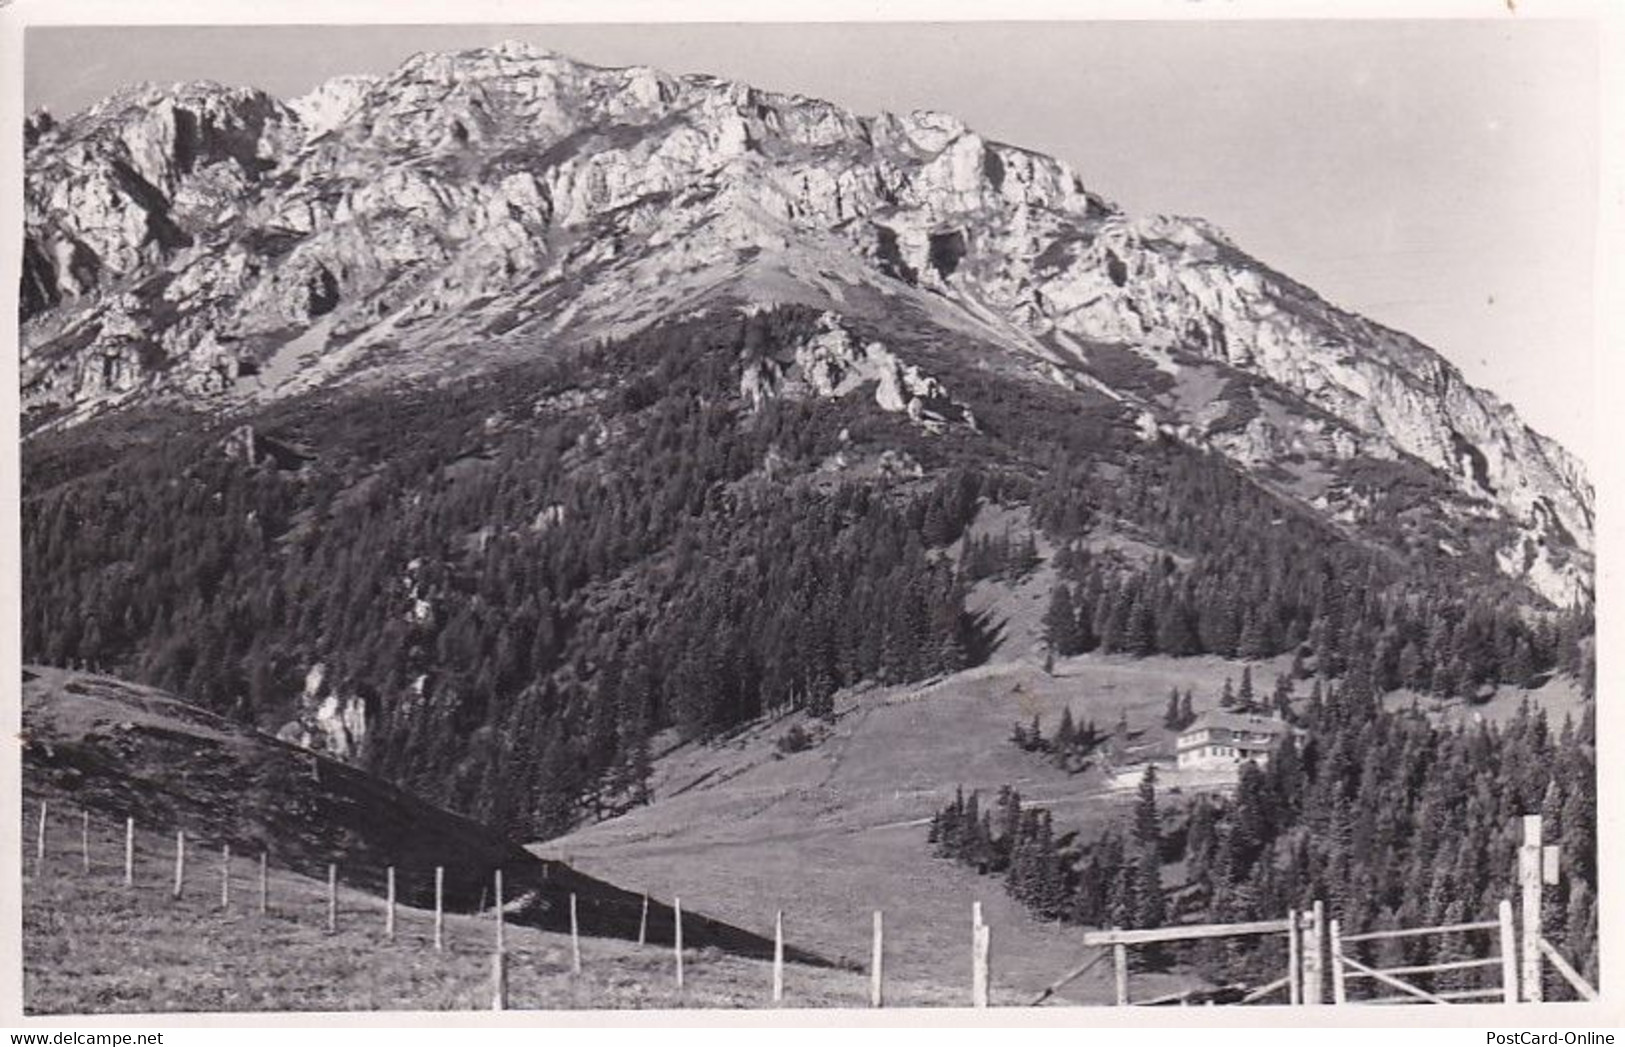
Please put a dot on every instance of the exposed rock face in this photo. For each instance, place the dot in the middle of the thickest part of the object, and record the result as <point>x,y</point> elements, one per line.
<point>1184,285</point>
<point>217,244</point>
<point>328,721</point>
<point>37,125</point>
<point>331,103</point>
<point>832,364</point>
<point>141,175</point>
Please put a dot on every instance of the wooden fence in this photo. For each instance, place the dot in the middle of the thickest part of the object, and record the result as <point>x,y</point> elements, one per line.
<point>1316,947</point>
<point>188,851</point>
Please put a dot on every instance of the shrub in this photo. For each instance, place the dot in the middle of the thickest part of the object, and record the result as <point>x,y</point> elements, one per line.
<point>794,740</point>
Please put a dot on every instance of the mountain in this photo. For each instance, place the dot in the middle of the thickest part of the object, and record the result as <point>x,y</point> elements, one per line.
<point>216,247</point>
<point>502,424</point>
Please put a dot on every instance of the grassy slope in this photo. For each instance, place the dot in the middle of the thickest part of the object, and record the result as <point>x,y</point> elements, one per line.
<point>834,832</point>
<point>91,945</point>
<point>115,749</point>
<point>831,833</point>
<point>1559,696</point>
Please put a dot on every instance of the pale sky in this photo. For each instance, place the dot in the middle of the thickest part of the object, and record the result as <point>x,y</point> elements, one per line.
<point>1436,176</point>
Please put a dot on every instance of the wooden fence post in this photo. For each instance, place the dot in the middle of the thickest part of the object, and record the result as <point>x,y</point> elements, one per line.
<point>1339,988</point>
<point>1529,878</point>
<point>332,898</point>
<point>439,906</point>
<point>265,883</point>
<point>1509,953</point>
<point>975,947</point>
<point>389,904</point>
<point>575,937</point>
<point>84,837</point>
<point>501,945</point>
<point>643,922</point>
<point>499,980</point>
<point>778,957</point>
<point>877,963</point>
<point>1294,959</point>
<point>225,876</point>
<point>129,852</point>
<point>1120,971</point>
<point>677,937</point>
<point>39,849</point>
<point>975,942</point>
<point>982,974</point>
<point>1314,957</point>
<point>180,861</point>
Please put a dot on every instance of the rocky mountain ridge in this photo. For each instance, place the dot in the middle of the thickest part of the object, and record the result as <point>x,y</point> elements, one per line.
<point>221,246</point>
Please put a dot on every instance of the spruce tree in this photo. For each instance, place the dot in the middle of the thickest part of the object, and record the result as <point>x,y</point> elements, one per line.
<point>1170,718</point>
<point>1009,806</point>
<point>1122,902</point>
<point>1147,822</point>
<point>1049,890</point>
<point>1581,930</point>
<point>1150,907</point>
<point>987,853</point>
<point>1252,642</point>
<point>640,770</point>
<point>1060,622</point>
<point>1084,639</point>
<point>950,835</point>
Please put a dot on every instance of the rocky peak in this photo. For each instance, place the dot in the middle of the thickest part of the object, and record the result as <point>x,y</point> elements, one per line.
<point>168,133</point>
<point>115,190</point>
<point>331,102</point>
<point>37,125</point>
<point>212,242</point>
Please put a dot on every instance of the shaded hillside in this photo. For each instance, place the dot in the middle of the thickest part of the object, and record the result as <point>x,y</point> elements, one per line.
<point>122,750</point>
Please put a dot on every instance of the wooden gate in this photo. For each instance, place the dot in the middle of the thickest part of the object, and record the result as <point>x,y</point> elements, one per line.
<point>1345,968</point>
<point>1316,949</point>
<point>1519,959</point>
<point>1292,981</point>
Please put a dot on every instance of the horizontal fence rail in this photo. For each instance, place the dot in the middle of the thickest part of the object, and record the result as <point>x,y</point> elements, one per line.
<point>1429,968</point>
<point>1149,936</point>
<point>1449,995</point>
<point>1410,932</point>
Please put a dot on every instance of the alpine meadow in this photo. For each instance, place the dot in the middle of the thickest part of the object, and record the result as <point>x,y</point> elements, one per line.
<point>748,534</point>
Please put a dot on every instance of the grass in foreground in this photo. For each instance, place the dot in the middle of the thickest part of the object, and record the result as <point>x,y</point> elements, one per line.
<point>92,945</point>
